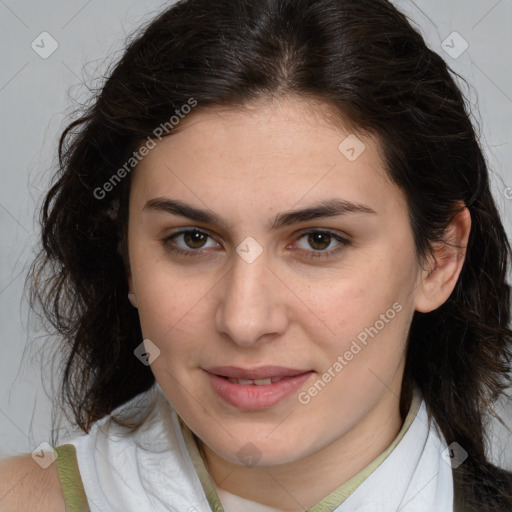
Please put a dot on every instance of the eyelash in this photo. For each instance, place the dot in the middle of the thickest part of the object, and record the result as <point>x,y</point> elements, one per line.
<point>311,254</point>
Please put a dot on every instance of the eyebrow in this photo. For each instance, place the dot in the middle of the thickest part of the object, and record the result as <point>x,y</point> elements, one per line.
<point>327,208</point>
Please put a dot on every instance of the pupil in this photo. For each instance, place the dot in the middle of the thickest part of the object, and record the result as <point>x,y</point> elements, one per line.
<point>319,240</point>
<point>194,239</point>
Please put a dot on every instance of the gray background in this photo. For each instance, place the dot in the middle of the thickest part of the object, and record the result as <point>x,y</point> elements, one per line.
<point>38,95</point>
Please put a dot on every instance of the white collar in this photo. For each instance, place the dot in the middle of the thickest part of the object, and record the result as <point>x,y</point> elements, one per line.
<point>152,469</point>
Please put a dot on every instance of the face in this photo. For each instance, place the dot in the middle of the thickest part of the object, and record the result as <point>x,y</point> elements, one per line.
<point>281,329</point>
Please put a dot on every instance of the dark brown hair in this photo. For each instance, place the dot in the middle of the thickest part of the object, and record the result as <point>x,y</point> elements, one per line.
<point>365,59</point>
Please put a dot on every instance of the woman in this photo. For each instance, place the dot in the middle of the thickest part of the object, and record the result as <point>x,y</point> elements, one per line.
<point>278,271</point>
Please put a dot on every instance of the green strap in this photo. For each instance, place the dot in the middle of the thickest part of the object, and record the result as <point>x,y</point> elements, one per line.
<point>70,479</point>
<point>206,481</point>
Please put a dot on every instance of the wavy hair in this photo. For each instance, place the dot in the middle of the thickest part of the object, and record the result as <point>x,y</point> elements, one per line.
<point>367,61</point>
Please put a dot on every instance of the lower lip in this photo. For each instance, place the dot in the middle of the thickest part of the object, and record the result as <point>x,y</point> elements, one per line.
<point>253,397</point>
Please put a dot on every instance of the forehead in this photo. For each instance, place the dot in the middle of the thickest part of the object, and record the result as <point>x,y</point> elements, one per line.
<point>285,150</point>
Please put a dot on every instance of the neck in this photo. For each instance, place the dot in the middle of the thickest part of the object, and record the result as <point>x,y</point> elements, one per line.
<point>303,483</point>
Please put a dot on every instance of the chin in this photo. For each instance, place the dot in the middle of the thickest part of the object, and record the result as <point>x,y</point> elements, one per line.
<point>252,452</point>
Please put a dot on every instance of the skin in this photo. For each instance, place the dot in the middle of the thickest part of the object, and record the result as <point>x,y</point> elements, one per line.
<point>282,309</point>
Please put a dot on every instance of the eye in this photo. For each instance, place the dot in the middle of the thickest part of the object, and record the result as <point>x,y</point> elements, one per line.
<point>189,241</point>
<point>323,243</point>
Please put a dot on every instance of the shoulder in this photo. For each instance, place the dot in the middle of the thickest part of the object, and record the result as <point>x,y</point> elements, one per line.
<point>24,485</point>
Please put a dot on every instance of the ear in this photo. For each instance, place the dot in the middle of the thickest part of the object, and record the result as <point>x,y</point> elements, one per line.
<point>131,295</point>
<point>445,264</point>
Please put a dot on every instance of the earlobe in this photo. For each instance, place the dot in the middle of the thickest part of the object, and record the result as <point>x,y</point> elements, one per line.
<point>445,264</point>
<point>131,295</point>
<point>133,299</point>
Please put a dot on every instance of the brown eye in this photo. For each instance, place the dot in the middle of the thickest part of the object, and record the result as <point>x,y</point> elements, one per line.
<point>319,241</point>
<point>195,239</point>
<point>190,242</point>
<point>317,244</point>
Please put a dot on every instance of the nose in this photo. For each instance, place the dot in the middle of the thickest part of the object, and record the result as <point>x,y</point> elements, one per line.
<point>251,304</point>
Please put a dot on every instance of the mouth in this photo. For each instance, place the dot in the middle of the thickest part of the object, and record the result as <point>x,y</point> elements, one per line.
<point>256,388</point>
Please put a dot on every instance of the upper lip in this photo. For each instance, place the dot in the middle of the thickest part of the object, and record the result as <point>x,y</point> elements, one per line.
<point>261,372</point>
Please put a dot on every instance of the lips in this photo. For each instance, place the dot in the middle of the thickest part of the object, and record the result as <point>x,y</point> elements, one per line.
<point>256,388</point>
<point>262,372</point>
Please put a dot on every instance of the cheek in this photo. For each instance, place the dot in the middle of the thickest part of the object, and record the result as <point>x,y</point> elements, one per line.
<point>163,290</point>
<point>168,315</point>
<point>363,356</point>
<point>368,311</point>
<point>164,298</point>
<point>352,297</point>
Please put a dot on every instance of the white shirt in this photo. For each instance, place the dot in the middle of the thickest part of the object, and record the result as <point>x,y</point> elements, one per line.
<point>158,469</point>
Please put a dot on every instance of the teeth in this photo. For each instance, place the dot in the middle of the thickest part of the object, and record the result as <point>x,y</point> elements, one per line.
<point>255,382</point>
<point>263,382</point>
